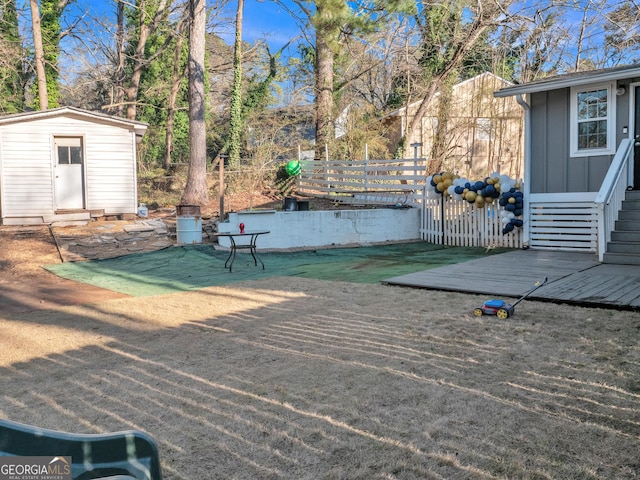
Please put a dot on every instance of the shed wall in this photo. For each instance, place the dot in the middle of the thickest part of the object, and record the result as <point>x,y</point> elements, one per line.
<point>26,150</point>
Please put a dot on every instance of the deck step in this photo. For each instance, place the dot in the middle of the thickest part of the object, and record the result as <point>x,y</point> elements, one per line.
<point>626,215</point>
<point>624,247</point>
<point>627,226</point>
<point>631,204</point>
<point>621,258</point>
<point>632,195</point>
<point>625,236</point>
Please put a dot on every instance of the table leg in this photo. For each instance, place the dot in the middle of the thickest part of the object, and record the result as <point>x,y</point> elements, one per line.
<point>252,249</point>
<point>232,255</point>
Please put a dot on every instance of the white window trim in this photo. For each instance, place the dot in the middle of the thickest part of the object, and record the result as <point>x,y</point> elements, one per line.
<point>611,119</point>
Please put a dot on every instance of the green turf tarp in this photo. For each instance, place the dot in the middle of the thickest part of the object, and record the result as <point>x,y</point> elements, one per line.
<point>187,268</point>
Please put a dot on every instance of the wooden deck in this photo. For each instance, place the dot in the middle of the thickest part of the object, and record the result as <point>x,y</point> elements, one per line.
<point>576,278</point>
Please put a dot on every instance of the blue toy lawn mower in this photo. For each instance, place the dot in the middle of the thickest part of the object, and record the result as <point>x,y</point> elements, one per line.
<point>502,309</point>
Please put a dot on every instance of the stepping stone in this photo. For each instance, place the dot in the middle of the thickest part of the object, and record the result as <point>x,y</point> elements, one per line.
<point>138,228</point>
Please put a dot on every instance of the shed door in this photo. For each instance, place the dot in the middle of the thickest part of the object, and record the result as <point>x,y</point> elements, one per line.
<point>69,192</point>
<point>636,136</point>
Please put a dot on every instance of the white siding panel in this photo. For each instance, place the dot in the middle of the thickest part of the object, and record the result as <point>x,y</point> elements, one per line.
<point>27,172</point>
<point>111,171</point>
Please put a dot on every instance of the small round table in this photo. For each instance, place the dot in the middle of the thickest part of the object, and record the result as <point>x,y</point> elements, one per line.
<point>252,236</point>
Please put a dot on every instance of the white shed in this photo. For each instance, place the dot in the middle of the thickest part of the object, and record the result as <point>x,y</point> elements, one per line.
<point>67,164</point>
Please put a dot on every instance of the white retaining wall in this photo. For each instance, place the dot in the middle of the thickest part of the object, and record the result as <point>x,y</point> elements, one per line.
<point>323,228</point>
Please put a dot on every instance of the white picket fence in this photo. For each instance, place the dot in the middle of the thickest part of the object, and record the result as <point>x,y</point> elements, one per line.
<point>459,223</point>
<point>392,182</point>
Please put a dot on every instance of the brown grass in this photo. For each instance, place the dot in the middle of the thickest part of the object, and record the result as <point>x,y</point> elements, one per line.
<point>290,378</point>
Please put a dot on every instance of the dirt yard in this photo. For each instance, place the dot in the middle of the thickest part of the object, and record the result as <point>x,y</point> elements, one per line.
<point>292,378</point>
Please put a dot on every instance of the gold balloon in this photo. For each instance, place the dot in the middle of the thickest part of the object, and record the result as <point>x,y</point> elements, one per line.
<point>489,200</point>
<point>437,179</point>
<point>470,196</point>
<point>441,187</point>
<point>512,200</point>
<point>448,182</point>
<point>479,202</point>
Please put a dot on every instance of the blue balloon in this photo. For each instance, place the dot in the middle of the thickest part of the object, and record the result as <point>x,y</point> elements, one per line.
<point>510,207</point>
<point>507,228</point>
<point>479,185</point>
<point>459,190</point>
<point>519,194</point>
<point>467,185</point>
<point>503,201</point>
<point>517,212</point>
<point>433,184</point>
<point>517,222</point>
<point>490,190</point>
<point>512,190</point>
<point>473,188</point>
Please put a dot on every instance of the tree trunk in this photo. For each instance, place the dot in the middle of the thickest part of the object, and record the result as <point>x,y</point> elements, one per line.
<point>235,133</point>
<point>173,95</point>
<point>196,192</point>
<point>119,80</point>
<point>324,93</point>
<point>138,66</point>
<point>140,62</point>
<point>39,52</point>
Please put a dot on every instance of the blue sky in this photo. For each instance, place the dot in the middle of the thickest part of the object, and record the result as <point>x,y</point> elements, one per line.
<point>266,20</point>
<point>261,19</point>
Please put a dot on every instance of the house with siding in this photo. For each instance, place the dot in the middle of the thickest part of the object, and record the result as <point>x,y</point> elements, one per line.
<point>67,164</point>
<point>582,162</point>
<point>468,129</point>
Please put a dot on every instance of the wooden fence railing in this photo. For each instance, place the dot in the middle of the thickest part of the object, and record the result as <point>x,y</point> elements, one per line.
<point>392,182</point>
<point>365,181</point>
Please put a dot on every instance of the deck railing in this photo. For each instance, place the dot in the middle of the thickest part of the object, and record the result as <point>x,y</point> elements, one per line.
<point>609,199</point>
<point>563,221</point>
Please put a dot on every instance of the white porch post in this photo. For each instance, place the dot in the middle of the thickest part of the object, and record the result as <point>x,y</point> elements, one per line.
<point>526,188</point>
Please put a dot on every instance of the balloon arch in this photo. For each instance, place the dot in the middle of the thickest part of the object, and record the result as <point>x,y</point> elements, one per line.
<point>495,188</point>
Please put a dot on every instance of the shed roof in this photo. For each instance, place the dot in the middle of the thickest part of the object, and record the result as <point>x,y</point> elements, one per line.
<point>139,127</point>
<point>400,111</point>
<point>571,80</point>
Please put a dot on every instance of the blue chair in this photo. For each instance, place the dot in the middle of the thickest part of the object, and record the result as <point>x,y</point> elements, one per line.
<point>127,455</point>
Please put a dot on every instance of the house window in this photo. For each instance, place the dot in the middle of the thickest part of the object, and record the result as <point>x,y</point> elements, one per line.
<point>69,150</point>
<point>592,120</point>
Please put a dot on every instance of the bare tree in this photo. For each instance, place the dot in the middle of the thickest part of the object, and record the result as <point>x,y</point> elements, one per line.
<point>173,94</point>
<point>148,24</point>
<point>235,134</point>
<point>196,192</point>
<point>449,39</point>
<point>120,58</point>
<point>39,54</point>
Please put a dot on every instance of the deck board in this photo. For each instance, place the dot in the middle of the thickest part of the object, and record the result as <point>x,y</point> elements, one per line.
<point>572,277</point>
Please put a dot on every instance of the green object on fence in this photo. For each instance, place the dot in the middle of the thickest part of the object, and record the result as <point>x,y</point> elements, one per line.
<point>293,168</point>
